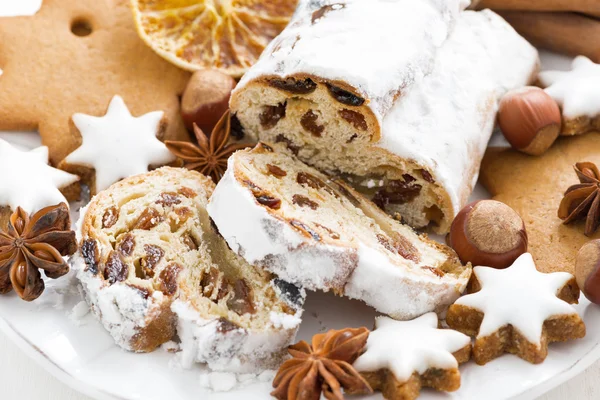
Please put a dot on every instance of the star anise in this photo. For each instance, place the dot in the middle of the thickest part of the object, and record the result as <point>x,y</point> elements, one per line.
<point>31,244</point>
<point>582,201</point>
<point>210,156</point>
<point>325,366</point>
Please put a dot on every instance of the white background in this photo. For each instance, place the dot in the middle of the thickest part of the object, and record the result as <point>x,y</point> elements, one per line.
<point>21,378</point>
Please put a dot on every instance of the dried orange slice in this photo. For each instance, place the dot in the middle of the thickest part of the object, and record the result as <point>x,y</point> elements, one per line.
<point>228,35</point>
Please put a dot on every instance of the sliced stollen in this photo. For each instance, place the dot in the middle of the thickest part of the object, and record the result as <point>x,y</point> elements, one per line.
<point>420,154</point>
<point>287,217</point>
<point>151,265</point>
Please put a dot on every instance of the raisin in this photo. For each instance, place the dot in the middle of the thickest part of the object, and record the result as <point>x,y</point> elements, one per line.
<point>400,246</point>
<point>332,233</point>
<point>276,171</point>
<point>189,241</point>
<point>294,86</point>
<point>110,217</point>
<point>184,213</point>
<point>355,118</point>
<point>290,145</point>
<point>304,201</point>
<point>435,271</point>
<point>269,201</point>
<point>309,123</point>
<point>321,12</point>
<point>115,270</point>
<point>305,230</point>
<point>153,256</point>
<point>149,218</point>
<point>346,193</point>
<point>89,251</point>
<point>304,178</point>
<point>236,128</point>
<point>398,191</point>
<point>344,96</point>
<point>427,176</point>
<point>168,278</point>
<point>271,115</point>
<point>264,146</point>
<point>241,303</point>
<point>127,245</point>
<point>210,284</point>
<point>167,199</point>
<point>145,293</point>
<point>225,325</point>
<point>187,192</point>
<point>289,291</point>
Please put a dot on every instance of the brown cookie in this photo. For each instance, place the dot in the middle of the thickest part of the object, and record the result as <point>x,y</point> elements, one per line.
<point>534,187</point>
<point>517,310</point>
<point>73,57</point>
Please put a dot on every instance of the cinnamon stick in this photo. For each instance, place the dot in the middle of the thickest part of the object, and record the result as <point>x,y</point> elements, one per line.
<point>567,33</point>
<point>582,6</point>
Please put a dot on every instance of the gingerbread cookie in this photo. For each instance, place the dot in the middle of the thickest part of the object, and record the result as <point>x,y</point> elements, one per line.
<point>402,356</point>
<point>116,146</point>
<point>578,93</point>
<point>27,181</point>
<point>535,187</point>
<point>74,56</point>
<point>517,310</point>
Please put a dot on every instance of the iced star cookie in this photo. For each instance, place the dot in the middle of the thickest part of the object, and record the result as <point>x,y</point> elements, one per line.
<point>578,93</point>
<point>116,146</point>
<point>517,310</point>
<point>402,356</point>
<point>27,181</point>
<point>74,56</point>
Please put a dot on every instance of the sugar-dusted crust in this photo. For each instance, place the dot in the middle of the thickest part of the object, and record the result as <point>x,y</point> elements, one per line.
<point>323,235</point>
<point>419,155</point>
<point>152,266</point>
<point>558,326</point>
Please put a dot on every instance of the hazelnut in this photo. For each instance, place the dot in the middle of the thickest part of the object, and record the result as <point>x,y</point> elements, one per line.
<point>587,270</point>
<point>530,120</point>
<point>488,233</point>
<point>205,99</point>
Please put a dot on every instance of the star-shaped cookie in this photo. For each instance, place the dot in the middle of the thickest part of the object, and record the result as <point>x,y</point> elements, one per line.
<point>578,93</point>
<point>534,188</point>
<point>27,181</point>
<point>117,145</point>
<point>51,72</point>
<point>402,356</point>
<point>517,310</point>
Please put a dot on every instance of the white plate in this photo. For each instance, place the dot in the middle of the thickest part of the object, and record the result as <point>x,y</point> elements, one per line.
<point>82,355</point>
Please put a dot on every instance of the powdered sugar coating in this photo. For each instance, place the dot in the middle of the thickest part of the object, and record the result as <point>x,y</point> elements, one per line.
<point>445,120</point>
<point>27,181</point>
<point>576,91</point>
<point>237,350</point>
<point>118,145</point>
<point>355,270</point>
<point>270,243</point>
<point>519,296</point>
<point>334,48</point>
<point>405,347</point>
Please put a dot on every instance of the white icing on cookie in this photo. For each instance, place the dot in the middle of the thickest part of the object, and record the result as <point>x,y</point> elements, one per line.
<point>118,145</point>
<point>576,91</point>
<point>28,181</point>
<point>405,347</point>
<point>520,296</point>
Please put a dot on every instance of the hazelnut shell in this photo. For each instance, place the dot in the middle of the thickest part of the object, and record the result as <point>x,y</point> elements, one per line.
<point>206,99</point>
<point>587,270</point>
<point>529,119</point>
<point>488,233</point>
